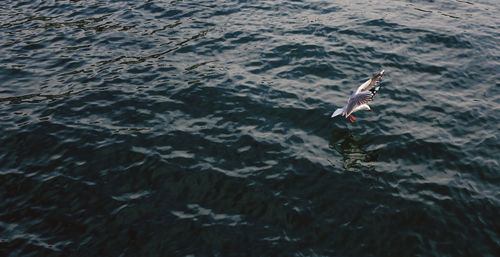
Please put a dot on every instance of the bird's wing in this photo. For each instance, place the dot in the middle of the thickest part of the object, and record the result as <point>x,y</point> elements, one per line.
<point>370,83</point>
<point>337,112</point>
<point>359,99</point>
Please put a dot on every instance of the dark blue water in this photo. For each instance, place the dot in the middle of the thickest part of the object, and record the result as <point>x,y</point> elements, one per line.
<point>201,128</point>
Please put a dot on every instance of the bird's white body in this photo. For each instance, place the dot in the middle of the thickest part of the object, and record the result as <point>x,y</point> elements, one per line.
<point>359,99</point>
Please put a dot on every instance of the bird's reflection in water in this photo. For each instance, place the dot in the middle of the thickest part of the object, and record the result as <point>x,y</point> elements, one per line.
<point>352,148</point>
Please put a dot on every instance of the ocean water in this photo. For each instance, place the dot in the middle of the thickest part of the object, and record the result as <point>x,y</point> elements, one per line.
<point>201,128</point>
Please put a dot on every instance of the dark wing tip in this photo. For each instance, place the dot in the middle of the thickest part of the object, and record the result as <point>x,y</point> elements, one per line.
<point>375,80</point>
<point>378,76</point>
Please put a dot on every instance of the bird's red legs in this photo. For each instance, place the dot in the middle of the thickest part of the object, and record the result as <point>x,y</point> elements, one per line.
<point>371,110</point>
<point>352,119</point>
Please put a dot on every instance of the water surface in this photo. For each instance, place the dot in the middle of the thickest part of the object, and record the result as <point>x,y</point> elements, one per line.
<point>201,128</point>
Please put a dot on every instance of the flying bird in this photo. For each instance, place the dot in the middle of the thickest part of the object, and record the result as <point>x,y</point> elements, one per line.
<point>359,99</point>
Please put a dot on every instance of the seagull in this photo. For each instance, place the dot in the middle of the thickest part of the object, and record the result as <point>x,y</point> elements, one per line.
<point>359,99</point>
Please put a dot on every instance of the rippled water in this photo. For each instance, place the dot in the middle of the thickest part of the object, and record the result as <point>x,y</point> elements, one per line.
<point>201,128</point>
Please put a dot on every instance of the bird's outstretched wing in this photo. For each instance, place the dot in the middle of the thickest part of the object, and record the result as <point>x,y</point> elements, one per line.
<point>359,99</point>
<point>369,84</point>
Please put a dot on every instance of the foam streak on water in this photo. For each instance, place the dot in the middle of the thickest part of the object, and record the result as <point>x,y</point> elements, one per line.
<point>181,128</point>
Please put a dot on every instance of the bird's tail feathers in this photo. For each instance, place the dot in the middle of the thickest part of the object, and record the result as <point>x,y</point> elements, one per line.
<point>337,112</point>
